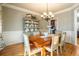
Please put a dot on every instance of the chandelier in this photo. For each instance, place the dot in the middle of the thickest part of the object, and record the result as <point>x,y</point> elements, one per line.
<point>48,14</point>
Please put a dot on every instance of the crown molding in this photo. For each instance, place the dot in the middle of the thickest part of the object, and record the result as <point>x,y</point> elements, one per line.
<point>67,9</point>
<point>35,13</point>
<point>19,8</point>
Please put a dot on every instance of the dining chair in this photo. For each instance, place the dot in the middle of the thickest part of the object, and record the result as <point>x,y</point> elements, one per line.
<point>54,45</point>
<point>27,49</point>
<point>62,41</point>
<point>26,45</point>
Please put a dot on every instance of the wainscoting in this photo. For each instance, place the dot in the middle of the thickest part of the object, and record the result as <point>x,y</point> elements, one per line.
<point>12,37</point>
<point>70,37</point>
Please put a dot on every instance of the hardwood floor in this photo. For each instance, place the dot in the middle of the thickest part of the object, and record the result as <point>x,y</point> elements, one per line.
<point>68,50</point>
<point>13,50</point>
<point>77,46</point>
<point>18,50</point>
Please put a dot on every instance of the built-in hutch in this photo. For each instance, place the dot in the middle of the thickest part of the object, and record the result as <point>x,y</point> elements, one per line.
<point>31,24</point>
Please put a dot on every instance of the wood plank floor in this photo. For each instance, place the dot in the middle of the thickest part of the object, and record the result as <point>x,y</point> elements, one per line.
<point>13,50</point>
<point>68,50</point>
<point>18,50</point>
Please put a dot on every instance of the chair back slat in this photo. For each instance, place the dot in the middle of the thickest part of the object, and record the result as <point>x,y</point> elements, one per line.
<point>55,41</point>
<point>63,36</point>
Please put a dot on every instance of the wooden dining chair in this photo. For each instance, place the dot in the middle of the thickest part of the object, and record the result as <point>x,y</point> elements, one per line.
<point>27,49</point>
<point>54,45</point>
<point>62,41</point>
<point>26,45</point>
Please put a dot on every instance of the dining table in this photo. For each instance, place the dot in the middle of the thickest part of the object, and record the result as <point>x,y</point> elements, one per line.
<point>41,42</point>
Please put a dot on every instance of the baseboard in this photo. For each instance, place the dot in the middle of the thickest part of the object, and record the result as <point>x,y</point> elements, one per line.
<point>15,44</point>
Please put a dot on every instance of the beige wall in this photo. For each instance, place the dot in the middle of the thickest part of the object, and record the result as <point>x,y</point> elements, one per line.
<point>12,25</point>
<point>12,21</point>
<point>43,25</point>
<point>65,22</point>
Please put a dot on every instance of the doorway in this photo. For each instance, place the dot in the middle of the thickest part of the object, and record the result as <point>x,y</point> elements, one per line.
<point>76,25</point>
<point>78,30</point>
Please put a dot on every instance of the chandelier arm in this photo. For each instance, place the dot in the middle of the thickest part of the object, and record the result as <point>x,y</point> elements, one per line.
<point>47,8</point>
<point>47,15</point>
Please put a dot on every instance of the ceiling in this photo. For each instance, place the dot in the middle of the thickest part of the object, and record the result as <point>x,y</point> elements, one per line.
<point>41,7</point>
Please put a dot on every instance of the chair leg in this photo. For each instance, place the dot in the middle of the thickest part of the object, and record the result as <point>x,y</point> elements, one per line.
<point>51,53</point>
<point>61,49</point>
<point>63,46</point>
<point>34,54</point>
<point>25,52</point>
<point>57,51</point>
<point>43,52</point>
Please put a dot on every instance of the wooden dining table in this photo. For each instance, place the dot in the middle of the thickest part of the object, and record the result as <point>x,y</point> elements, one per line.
<point>41,42</point>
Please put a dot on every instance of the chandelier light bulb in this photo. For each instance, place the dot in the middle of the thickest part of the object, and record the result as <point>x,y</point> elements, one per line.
<point>50,13</point>
<point>42,16</point>
<point>45,13</point>
<point>48,16</point>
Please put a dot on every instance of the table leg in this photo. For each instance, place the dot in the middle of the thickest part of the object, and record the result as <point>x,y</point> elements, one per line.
<point>52,53</point>
<point>43,51</point>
